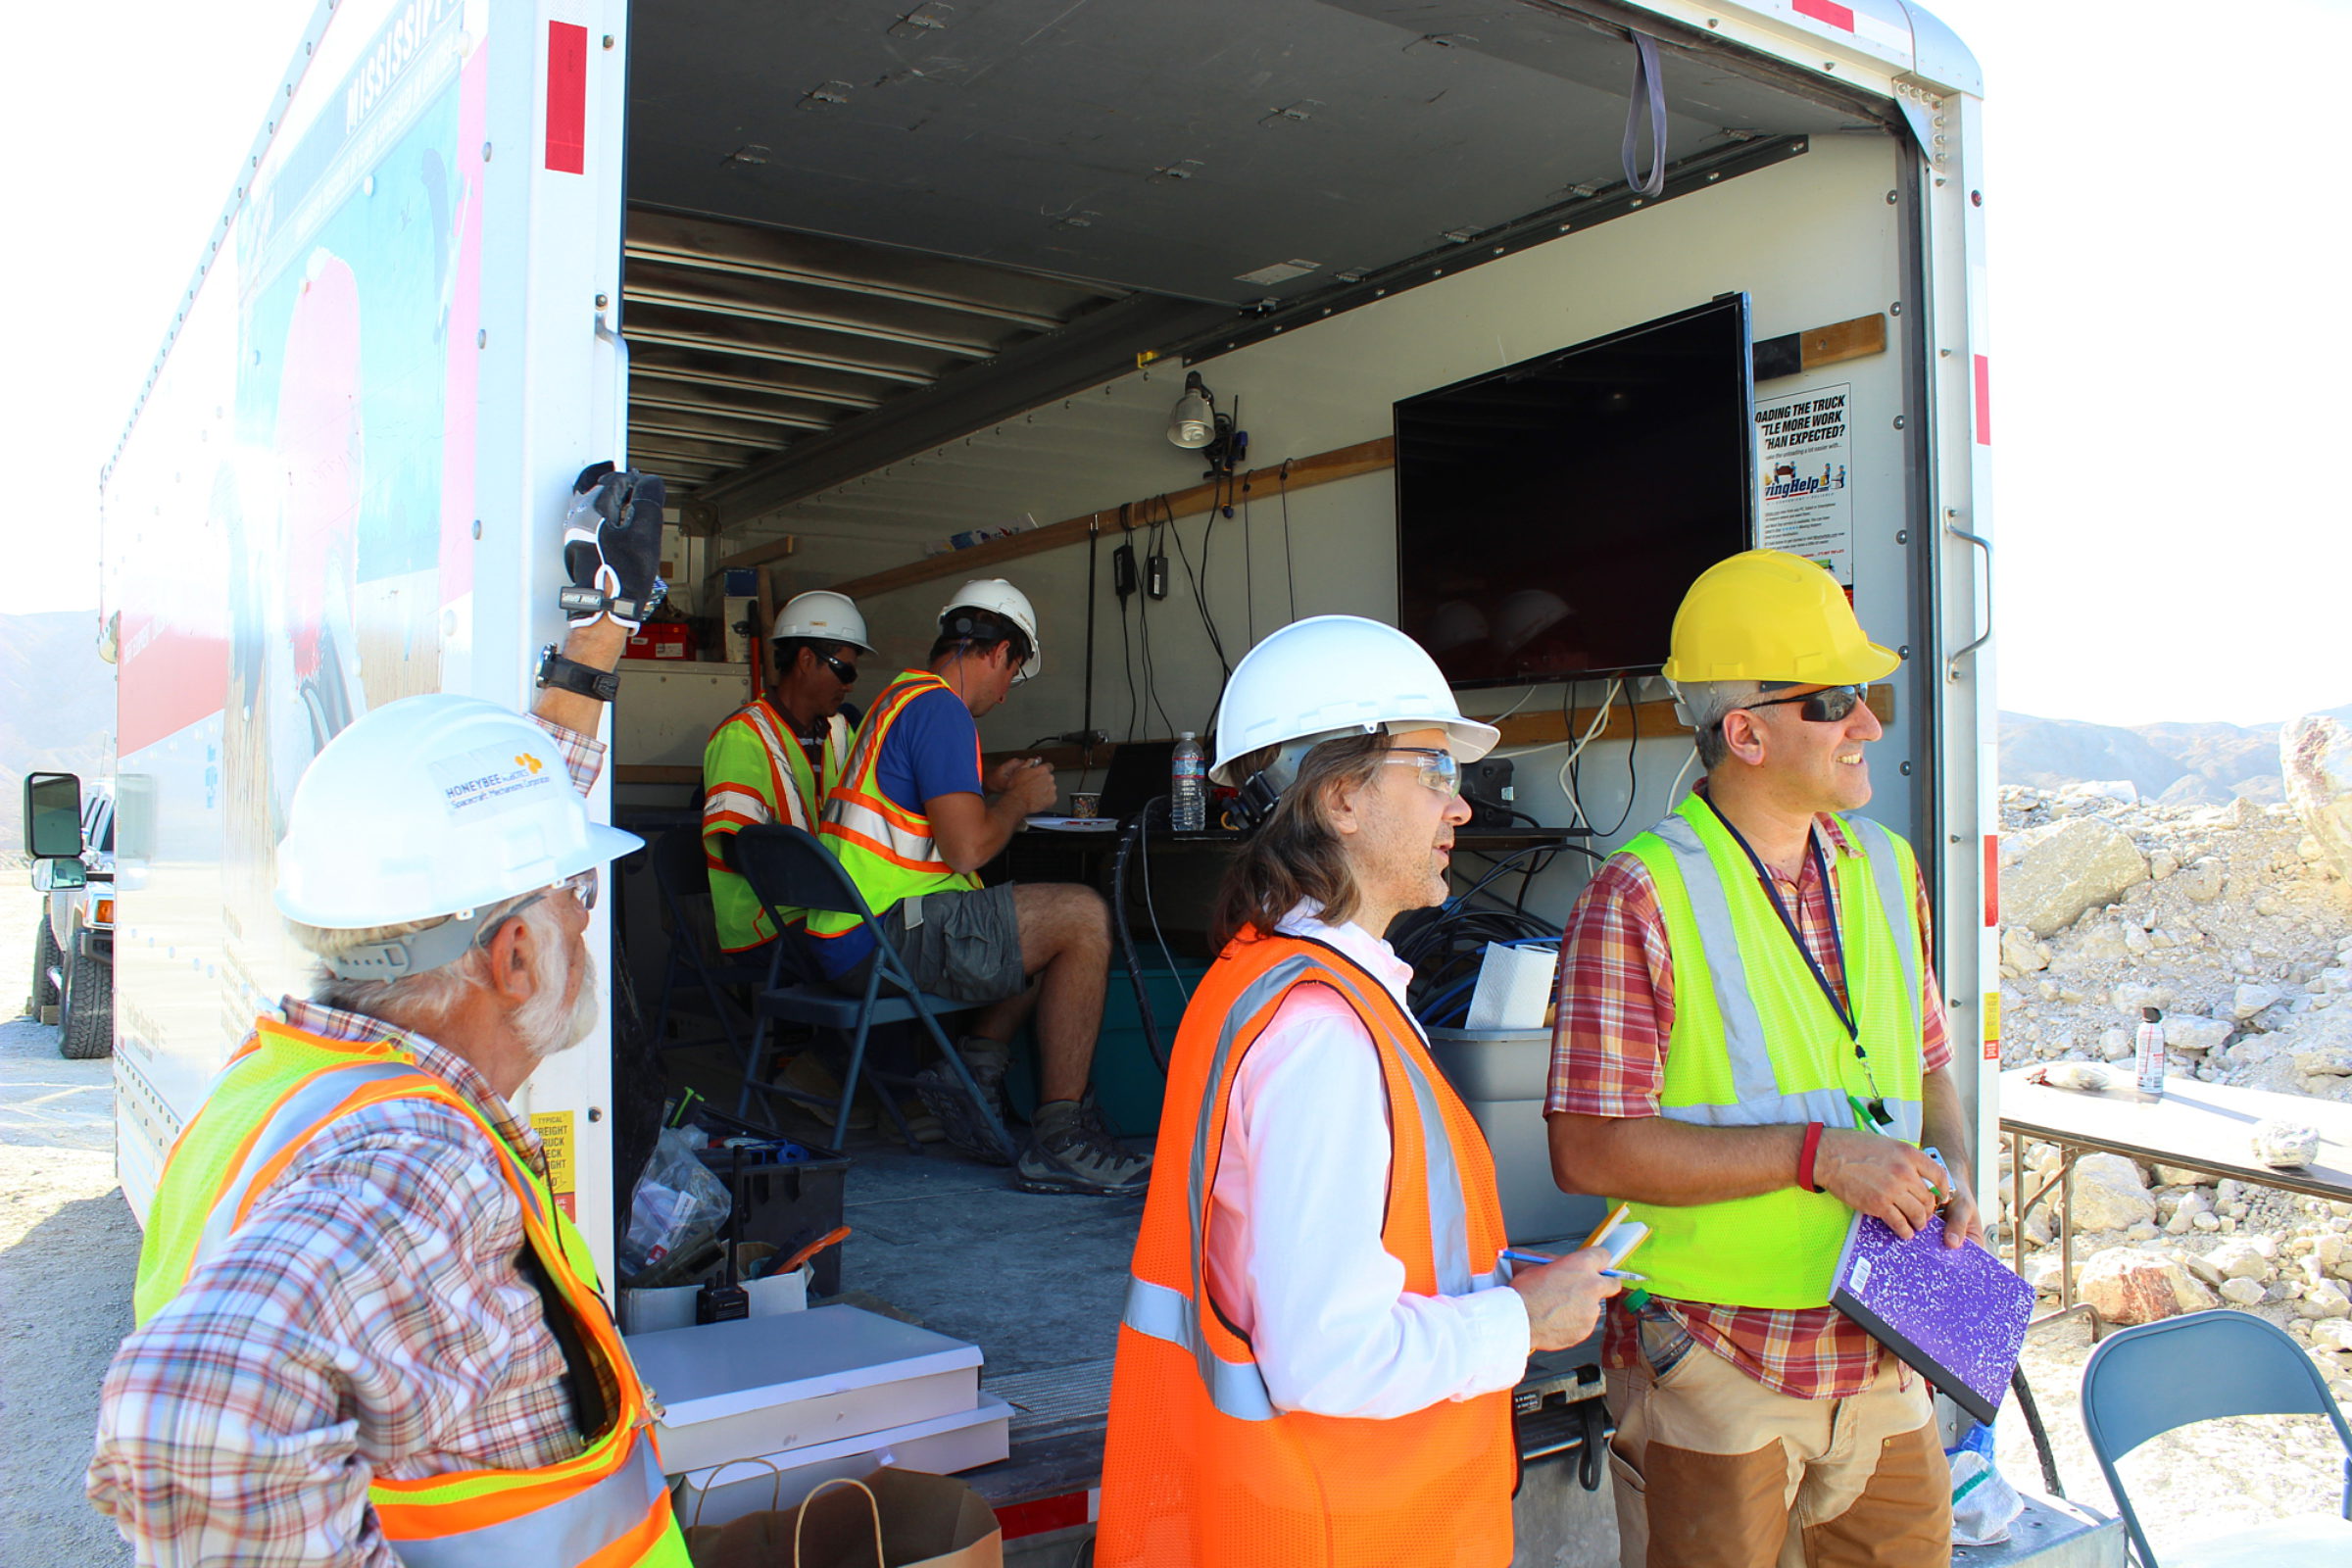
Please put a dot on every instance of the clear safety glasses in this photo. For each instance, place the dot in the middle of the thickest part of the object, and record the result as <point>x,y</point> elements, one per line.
<point>583,887</point>
<point>1438,770</point>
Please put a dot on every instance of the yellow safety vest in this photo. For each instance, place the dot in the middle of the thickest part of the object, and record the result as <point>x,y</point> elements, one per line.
<point>885,849</point>
<point>1755,1042</point>
<point>604,1507</point>
<point>755,770</point>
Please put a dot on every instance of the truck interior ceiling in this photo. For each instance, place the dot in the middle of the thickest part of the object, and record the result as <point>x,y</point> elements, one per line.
<point>896,272</point>
<point>857,233</point>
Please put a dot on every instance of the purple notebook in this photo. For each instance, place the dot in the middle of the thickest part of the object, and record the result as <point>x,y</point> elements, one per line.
<point>1957,1314</point>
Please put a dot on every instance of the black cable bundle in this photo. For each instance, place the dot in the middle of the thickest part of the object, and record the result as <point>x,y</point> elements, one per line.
<point>1445,944</point>
<point>1131,841</point>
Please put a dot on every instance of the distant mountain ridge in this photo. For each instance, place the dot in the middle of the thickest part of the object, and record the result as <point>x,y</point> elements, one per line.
<point>2182,764</point>
<point>57,707</point>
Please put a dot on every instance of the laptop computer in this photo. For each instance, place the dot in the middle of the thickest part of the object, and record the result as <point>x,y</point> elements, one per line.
<point>1138,771</point>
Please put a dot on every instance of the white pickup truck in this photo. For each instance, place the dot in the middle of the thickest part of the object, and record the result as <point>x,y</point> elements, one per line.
<point>73,947</point>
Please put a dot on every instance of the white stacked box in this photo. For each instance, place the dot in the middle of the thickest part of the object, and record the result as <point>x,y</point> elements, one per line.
<point>815,1393</point>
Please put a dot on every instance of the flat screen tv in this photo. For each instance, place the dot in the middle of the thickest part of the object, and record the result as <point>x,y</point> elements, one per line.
<point>1550,514</point>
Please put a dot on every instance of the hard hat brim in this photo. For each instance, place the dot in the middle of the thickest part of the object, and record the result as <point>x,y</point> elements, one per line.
<point>1868,663</point>
<point>604,846</point>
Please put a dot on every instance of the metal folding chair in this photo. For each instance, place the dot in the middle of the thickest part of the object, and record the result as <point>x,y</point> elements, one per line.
<point>695,963</point>
<point>788,868</point>
<point>2142,1381</point>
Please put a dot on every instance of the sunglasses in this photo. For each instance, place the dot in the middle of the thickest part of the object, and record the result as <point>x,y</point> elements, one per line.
<point>1827,706</point>
<point>1438,770</point>
<point>842,670</point>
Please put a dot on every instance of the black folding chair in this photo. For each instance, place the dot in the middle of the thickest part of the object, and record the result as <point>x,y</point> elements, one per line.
<point>682,876</point>
<point>789,868</point>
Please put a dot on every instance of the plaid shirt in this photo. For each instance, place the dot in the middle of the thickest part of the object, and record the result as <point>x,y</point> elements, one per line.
<point>1608,1058</point>
<point>370,1318</point>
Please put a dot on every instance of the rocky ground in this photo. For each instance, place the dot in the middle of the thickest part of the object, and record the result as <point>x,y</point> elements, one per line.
<point>2235,923</point>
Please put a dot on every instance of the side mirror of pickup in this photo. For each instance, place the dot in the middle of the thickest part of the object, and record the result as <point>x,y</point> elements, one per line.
<point>53,816</point>
<point>49,875</point>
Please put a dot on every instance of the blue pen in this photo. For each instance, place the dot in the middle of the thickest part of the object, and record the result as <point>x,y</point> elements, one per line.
<point>1517,1256</point>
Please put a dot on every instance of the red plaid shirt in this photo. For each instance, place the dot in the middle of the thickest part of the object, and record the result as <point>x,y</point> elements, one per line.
<point>1608,1058</point>
<point>369,1318</point>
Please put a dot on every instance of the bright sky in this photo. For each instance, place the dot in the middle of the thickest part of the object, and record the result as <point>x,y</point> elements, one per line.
<point>2170,338</point>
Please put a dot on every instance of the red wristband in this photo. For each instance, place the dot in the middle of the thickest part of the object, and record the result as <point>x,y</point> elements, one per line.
<point>1804,1161</point>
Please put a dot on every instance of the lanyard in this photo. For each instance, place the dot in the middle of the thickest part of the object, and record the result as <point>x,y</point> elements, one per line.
<point>1875,1105</point>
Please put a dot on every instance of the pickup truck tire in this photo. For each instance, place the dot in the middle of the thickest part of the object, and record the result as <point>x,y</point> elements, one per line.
<point>44,959</point>
<point>86,1023</point>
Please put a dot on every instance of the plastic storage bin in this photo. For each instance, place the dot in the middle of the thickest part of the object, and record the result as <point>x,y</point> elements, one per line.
<point>1502,1074</point>
<point>1128,1086</point>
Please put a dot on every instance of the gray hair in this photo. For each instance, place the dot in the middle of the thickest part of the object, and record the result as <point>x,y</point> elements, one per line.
<point>1705,705</point>
<point>421,1002</point>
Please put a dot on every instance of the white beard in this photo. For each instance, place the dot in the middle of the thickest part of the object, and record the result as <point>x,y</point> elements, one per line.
<point>547,1024</point>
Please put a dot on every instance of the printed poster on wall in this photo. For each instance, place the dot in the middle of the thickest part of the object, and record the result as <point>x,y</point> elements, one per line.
<point>1802,452</point>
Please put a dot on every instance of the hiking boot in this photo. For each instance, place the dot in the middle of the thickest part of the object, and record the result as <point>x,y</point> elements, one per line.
<point>1070,1150</point>
<point>944,1096</point>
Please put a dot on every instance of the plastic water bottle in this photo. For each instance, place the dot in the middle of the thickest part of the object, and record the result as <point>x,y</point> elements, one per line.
<point>1187,786</point>
<point>2147,1052</point>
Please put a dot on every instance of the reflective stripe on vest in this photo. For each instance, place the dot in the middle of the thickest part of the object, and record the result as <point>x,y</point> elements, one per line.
<point>1201,1469</point>
<point>792,792</point>
<point>604,1507</point>
<point>887,850</point>
<point>1237,1388</point>
<point>1755,1042</point>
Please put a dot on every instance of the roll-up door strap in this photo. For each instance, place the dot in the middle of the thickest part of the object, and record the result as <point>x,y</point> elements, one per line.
<point>1649,88</point>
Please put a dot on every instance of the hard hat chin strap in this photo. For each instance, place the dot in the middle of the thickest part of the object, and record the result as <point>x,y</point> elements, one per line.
<point>398,958</point>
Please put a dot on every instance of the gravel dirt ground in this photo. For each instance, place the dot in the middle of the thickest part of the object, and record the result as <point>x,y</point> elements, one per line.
<point>68,1250</point>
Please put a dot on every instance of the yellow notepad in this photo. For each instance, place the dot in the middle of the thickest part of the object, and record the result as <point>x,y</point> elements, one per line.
<point>1619,1235</point>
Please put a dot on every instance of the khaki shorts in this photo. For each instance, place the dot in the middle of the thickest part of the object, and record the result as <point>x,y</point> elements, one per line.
<point>964,944</point>
<point>1714,1470</point>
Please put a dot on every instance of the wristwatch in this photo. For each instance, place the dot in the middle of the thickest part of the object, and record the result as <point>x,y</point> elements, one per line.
<point>571,676</point>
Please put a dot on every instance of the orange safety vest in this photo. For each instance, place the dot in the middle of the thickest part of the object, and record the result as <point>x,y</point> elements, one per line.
<point>886,848</point>
<point>606,1506</point>
<point>1200,1469</point>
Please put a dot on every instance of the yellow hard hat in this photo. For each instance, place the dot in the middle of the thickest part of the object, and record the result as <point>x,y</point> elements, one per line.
<point>1765,614</point>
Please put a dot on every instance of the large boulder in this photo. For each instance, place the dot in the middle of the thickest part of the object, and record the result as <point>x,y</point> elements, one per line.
<point>2109,1196</point>
<point>2128,1286</point>
<point>2188,1031</point>
<point>2317,756</point>
<point>2051,874</point>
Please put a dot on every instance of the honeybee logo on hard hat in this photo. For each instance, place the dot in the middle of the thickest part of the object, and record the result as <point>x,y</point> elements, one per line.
<point>488,782</point>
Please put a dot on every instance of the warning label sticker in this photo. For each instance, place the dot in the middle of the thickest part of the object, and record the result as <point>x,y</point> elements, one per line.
<point>489,782</point>
<point>1803,445</point>
<point>553,1128</point>
<point>1992,1026</point>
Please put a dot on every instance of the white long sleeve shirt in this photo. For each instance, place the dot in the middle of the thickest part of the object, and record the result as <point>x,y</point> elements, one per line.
<point>1294,1251</point>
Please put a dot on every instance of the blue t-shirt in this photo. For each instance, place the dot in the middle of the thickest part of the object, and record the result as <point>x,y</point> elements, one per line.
<point>933,749</point>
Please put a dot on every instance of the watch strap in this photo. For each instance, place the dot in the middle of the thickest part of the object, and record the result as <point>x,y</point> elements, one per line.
<point>571,676</point>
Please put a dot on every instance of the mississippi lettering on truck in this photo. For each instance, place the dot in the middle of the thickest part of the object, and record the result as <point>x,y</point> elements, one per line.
<point>859,281</point>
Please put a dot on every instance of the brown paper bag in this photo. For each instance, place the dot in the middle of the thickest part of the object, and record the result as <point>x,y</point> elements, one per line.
<point>891,1519</point>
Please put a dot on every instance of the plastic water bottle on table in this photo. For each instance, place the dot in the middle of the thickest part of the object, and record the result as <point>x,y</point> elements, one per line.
<point>1187,786</point>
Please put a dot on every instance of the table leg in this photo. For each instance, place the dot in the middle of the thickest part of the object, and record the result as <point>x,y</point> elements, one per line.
<point>2017,1203</point>
<point>2066,1226</point>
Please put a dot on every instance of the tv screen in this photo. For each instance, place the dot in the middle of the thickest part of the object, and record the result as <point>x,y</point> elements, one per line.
<point>1550,514</point>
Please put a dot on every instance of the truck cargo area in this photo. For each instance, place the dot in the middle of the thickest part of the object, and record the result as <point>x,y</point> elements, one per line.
<point>894,277</point>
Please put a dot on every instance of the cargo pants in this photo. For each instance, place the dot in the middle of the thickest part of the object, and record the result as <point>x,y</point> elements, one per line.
<point>1714,1470</point>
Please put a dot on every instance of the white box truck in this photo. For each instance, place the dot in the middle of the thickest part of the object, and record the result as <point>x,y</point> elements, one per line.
<point>859,279</point>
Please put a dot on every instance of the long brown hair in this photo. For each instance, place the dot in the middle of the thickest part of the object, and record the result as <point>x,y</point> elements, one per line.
<point>1295,855</point>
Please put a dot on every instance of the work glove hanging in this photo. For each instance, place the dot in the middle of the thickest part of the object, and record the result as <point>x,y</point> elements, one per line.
<point>612,547</point>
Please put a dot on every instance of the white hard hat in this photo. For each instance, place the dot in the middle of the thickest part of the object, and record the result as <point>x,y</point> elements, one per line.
<point>1331,675</point>
<point>429,806</point>
<point>826,617</point>
<point>998,597</point>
